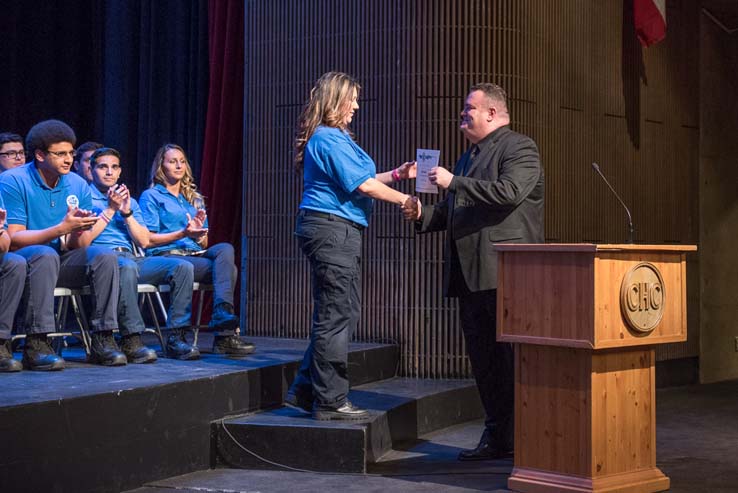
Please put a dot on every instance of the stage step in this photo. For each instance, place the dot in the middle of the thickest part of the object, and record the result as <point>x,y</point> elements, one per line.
<point>401,410</point>
<point>96,429</point>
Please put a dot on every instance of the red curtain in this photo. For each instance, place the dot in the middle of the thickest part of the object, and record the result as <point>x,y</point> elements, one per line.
<point>221,172</point>
<point>220,179</point>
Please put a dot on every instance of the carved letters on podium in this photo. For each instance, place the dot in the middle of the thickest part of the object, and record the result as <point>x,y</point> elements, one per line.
<point>642,297</point>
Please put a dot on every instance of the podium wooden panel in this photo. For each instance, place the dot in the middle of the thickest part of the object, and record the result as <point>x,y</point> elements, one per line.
<point>585,416</point>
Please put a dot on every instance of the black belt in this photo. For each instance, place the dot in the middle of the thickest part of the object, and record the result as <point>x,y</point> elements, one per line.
<point>331,217</point>
<point>122,249</point>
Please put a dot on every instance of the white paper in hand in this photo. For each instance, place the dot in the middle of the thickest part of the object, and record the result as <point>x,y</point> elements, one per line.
<point>426,159</point>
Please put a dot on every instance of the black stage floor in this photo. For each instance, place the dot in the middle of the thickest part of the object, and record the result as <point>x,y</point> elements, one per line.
<point>93,428</point>
<point>82,379</point>
<point>697,437</point>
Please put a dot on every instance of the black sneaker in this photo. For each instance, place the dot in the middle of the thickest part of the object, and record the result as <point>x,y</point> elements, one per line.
<point>232,345</point>
<point>38,355</point>
<point>7,363</point>
<point>105,351</point>
<point>135,350</point>
<point>224,318</point>
<point>178,348</point>
<point>346,412</point>
<point>299,401</point>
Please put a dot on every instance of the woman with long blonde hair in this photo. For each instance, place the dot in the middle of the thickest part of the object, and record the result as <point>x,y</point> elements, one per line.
<point>340,185</point>
<point>175,214</point>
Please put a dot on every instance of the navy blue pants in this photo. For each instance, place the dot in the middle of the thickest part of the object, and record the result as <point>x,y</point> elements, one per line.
<point>334,251</point>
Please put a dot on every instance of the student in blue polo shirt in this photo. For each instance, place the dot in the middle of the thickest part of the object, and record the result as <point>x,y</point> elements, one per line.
<point>12,153</point>
<point>175,214</point>
<point>340,185</point>
<point>122,222</point>
<point>12,279</point>
<point>48,223</point>
<point>82,157</point>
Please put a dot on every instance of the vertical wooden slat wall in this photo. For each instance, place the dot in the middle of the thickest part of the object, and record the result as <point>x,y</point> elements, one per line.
<point>579,84</point>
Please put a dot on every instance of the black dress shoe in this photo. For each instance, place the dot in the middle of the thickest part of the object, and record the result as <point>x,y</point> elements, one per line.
<point>224,318</point>
<point>231,345</point>
<point>178,348</point>
<point>38,355</point>
<point>105,351</point>
<point>346,412</point>
<point>7,363</point>
<point>299,401</point>
<point>486,450</point>
<point>135,350</point>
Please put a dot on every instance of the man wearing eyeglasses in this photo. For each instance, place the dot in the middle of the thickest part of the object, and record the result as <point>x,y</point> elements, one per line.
<point>49,221</point>
<point>12,154</point>
<point>122,222</point>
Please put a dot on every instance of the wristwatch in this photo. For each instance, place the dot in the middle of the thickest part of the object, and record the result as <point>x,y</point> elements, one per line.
<point>125,214</point>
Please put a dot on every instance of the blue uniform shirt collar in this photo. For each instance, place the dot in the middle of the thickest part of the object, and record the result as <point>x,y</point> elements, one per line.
<point>162,189</point>
<point>36,176</point>
<point>96,193</point>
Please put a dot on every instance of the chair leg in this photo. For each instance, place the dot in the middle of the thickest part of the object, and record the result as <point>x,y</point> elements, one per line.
<point>198,319</point>
<point>81,318</point>
<point>161,306</point>
<point>157,327</point>
<point>57,343</point>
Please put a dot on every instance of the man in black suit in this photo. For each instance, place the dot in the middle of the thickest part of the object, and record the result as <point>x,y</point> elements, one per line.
<point>495,194</point>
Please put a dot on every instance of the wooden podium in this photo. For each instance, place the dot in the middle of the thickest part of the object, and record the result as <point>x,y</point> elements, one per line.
<point>584,319</point>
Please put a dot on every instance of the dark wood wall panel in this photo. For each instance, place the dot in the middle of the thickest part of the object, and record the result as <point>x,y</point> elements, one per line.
<point>579,84</point>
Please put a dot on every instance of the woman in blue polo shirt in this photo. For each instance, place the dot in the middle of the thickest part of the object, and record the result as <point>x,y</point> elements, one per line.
<point>174,212</point>
<point>340,184</point>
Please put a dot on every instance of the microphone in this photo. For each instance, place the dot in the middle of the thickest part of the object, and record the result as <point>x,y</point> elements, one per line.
<point>630,220</point>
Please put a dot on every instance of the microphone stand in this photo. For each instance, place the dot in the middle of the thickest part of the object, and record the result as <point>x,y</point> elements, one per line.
<point>631,230</point>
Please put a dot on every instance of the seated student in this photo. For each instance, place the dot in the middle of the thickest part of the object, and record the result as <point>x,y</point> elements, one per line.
<point>48,223</point>
<point>12,154</point>
<point>82,157</point>
<point>12,278</point>
<point>175,214</point>
<point>122,222</point>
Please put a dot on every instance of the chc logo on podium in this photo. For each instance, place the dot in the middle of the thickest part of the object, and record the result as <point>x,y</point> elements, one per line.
<point>642,297</point>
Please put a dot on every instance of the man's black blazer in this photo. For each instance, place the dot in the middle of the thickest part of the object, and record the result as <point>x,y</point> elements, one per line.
<point>499,198</point>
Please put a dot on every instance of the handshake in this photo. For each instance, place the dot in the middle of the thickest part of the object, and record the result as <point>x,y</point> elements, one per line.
<point>411,209</point>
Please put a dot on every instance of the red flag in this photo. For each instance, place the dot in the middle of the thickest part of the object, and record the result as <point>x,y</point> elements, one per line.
<point>650,20</point>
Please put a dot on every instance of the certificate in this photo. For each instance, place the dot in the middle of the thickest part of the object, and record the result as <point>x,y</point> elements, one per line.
<point>425,159</point>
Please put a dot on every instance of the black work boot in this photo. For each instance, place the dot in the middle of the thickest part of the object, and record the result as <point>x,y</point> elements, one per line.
<point>135,350</point>
<point>7,363</point>
<point>231,344</point>
<point>224,318</point>
<point>178,348</point>
<point>38,355</point>
<point>105,351</point>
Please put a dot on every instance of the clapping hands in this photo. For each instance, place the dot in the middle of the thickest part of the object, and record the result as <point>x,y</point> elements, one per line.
<point>195,225</point>
<point>78,220</point>
<point>119,198</point>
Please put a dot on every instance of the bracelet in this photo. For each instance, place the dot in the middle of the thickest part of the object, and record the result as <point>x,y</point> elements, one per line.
<point>104,217</point>
<point>126,215</point>
<point>395,175</point>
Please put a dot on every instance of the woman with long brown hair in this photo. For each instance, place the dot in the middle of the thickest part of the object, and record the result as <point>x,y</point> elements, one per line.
<point>340,186</point>
<point>174,211</point>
